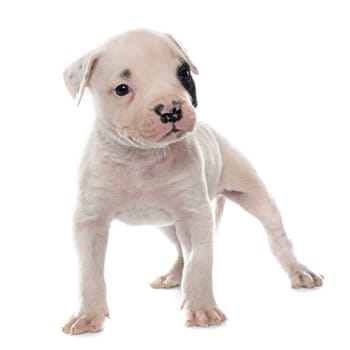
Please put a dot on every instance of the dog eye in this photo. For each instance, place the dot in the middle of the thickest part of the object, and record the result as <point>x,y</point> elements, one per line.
<point>184,73</point>
<point>122,90</point>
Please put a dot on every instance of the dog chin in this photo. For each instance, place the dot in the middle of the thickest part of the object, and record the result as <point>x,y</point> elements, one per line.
<point>166,139</point>
<point>160,142</point>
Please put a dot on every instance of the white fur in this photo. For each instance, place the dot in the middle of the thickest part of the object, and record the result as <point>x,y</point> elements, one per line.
<point>137,171</point>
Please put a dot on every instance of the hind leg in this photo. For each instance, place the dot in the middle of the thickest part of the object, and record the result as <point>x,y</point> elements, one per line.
<point>173,277</point>
<point>241,184</point>
<point>259,204</point>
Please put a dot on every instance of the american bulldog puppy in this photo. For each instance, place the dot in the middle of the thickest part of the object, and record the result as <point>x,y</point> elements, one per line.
<point>150,161</point>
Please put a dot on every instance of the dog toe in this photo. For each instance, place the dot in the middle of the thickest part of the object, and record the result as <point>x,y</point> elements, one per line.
<point>304,278</point>
<point>205,317</point>
<point>82,324</point>
<point>165,282</point>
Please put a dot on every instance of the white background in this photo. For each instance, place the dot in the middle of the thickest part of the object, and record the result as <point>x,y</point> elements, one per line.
<point>275,78</point>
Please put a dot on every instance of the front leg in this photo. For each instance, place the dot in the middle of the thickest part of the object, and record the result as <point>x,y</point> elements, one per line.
<point>195,232</point>
<point>91,236</point>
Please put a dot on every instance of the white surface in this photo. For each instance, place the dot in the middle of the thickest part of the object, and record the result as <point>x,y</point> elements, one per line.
<point>275,78</point>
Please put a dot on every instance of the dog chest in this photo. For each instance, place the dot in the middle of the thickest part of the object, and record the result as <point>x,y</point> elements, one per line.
<point>144,216</point>
<point>140,198</point>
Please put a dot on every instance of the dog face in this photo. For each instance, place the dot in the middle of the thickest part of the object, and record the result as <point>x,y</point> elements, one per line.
<point>142,86</point>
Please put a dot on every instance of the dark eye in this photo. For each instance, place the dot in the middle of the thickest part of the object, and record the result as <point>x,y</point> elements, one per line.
<point>122,90</point>
<point>184,73</point>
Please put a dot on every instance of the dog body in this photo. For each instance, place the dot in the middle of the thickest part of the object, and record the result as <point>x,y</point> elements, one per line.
<point>149,161</point>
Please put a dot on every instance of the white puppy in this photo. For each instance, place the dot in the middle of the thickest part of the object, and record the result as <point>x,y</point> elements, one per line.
<point>149,161</point>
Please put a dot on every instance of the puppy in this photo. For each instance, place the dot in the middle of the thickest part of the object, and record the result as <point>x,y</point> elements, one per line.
<point>149,161</point>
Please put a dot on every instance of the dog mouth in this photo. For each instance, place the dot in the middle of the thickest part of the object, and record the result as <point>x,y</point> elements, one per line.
<point>171,136</point>
<point>174,130</point>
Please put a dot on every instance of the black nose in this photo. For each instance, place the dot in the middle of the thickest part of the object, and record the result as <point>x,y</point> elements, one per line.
<point>172,117</point>
<point>158,109</point>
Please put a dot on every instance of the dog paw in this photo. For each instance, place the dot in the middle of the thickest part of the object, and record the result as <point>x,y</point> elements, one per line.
<point>205,317</point>
<point>82,323</point>
<point>168,281</point>
<point>302,277</point>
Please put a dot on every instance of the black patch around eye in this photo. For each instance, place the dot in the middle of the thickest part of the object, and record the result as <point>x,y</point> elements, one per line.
<point>184,75</point>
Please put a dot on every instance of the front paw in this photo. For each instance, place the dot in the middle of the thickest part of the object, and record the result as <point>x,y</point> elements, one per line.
<point>204,316</point>
<point>83,322</point>
<point>302,277</point>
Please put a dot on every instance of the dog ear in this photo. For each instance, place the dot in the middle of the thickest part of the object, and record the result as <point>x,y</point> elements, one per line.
<point>184,53</point>
<point>77,75</point>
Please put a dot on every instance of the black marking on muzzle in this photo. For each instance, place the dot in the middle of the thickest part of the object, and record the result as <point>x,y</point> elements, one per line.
<point>172,117</point>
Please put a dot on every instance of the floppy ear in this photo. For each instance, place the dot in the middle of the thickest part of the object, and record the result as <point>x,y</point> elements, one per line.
<point>184,53</point>
<point>77,75</point>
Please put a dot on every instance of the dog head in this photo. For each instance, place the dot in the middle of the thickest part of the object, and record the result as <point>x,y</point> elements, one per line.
<point>142,86</point>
